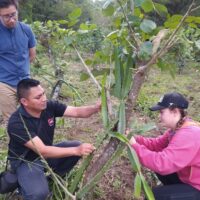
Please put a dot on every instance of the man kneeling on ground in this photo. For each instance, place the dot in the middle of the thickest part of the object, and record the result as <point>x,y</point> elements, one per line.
<point>31,132</point>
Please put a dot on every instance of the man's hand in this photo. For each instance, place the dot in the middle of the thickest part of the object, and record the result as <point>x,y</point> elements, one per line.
<point>85,149</point>
<point>132,141</point>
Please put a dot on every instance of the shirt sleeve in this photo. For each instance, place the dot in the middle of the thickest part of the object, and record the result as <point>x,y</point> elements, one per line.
<point>154,144</point>
<point>30,35</point>
<point>174,157</point>
<point>57,108</point>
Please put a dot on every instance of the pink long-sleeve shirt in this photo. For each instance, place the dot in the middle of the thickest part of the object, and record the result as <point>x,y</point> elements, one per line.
<point>170,153</point>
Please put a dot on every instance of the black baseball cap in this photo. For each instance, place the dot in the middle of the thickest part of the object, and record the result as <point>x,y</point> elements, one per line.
<point>173,99</point>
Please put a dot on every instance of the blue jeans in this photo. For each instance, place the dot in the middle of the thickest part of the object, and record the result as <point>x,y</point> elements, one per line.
<point>32,181</point>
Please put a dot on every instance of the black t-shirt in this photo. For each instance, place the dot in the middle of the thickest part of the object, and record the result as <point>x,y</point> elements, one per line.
<point>22,127</point>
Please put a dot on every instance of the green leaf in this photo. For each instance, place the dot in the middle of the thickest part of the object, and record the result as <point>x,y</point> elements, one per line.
<point>134,20</point>
<point>160,8</point>
<point>108,11</point>
<point>88,26</point>
<point>117,73</point>
<point>104,106</point>
<point>137,186</point>
<point>193,19</point>
<point>76,13</point>
<point>73,22</point>
<point>127,81</point>
<point>120,137</point>
<point>145,50</point>
<point>122,118</point>
<point>147,25</point>
<point>147,6</point>
<point>117,22</point>
<point>138,13</point>
<point>138,3</point>
<point>63,22</point>
<point>84,26</point>
<point>147,190</point>
<point>133,159</point>
<point>173,21</point>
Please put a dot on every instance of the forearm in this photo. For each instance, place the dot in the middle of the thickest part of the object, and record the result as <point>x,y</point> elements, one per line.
<point>87,111</point>
<point>81,112</point>
<point>57,152</point>
<point>32,54</point>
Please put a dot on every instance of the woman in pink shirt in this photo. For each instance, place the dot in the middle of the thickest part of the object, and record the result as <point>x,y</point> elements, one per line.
<point>175,155</point>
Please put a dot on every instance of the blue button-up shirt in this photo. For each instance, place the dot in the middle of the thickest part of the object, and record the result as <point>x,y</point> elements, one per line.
<point>14,53</point>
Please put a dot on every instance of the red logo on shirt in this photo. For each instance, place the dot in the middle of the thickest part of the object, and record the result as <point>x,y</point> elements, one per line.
<point>51,121</point>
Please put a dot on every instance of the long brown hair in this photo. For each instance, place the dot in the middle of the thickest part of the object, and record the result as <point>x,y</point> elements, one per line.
<point>183,117</point>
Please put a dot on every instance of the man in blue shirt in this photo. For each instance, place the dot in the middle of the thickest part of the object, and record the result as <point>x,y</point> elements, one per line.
<point>17,50</point>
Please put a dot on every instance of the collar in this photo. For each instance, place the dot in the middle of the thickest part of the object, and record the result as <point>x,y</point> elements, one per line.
<point>23,112</point>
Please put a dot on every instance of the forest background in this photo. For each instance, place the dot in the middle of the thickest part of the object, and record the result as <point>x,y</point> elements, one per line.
<point>96,49</point>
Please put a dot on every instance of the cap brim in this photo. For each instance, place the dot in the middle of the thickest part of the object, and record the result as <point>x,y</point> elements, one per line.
<point>156,108</point>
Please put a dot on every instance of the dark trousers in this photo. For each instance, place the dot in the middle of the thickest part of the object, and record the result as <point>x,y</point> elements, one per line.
<point>31,176</point>
<point>174,189</point>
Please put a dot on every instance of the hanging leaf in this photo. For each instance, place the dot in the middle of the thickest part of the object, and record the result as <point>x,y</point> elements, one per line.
<point>104,106</point>
<point>122,118</point>
<point>133,159</point>
<point>147,25</point>
<point>147,190</point>
<point>120,137</point>
<point>137,186</point>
